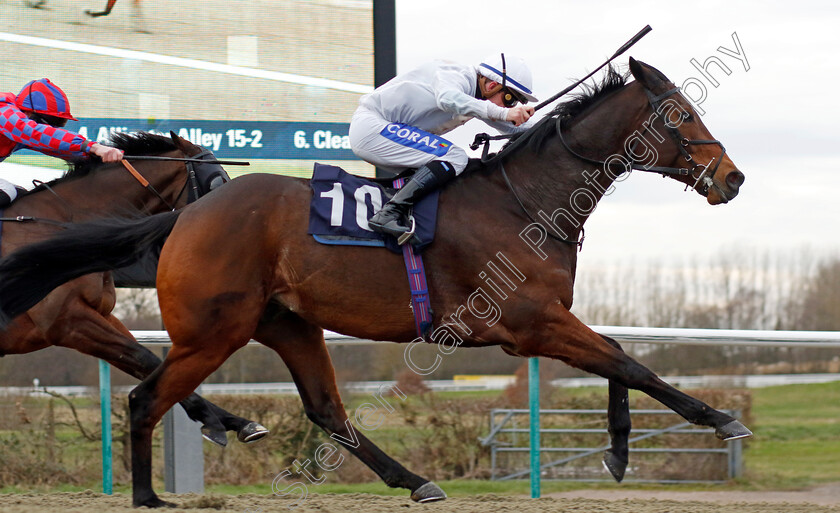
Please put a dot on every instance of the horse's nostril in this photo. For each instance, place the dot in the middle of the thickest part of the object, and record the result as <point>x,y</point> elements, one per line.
<point>735,179</point>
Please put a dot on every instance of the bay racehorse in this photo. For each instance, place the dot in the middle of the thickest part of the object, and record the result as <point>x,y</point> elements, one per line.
<point>78,315</point>
<point>238,264</point>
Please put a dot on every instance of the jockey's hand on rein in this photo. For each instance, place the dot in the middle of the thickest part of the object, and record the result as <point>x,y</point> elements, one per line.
<point>107,153</point>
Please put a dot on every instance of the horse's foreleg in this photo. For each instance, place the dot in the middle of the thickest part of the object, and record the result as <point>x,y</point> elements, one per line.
<point>618,425</point>
<point>569,340</point>
<point>301,346</point>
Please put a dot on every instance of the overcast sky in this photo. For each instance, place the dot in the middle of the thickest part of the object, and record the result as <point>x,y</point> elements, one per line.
<point>778,120</point>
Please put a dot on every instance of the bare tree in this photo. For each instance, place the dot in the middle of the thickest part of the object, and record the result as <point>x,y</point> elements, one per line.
<point>138,308</point>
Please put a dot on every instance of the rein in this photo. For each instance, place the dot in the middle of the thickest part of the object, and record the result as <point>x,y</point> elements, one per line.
<point>487,159</point>
<point>696,171</point>
<point>508,148</point>
<point>497,157</point>
<point>682,144</point>
<point>30,219</point>
<point>578,242</point>
<point>192,180</point>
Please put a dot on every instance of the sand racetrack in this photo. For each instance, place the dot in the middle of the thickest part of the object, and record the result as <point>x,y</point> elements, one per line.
<point>818,500</point>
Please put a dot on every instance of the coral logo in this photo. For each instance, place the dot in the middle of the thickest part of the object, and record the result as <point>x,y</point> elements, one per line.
<point>413,137</point>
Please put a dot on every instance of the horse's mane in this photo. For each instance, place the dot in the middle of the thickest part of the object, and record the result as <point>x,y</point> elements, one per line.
<point>611,81</point>
<point>567,111</point>
<point>137,143</point>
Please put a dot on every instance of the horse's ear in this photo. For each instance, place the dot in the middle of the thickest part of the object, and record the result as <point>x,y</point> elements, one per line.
<point>180,143</point>
<point>636,68</point>
<point>648,76</point>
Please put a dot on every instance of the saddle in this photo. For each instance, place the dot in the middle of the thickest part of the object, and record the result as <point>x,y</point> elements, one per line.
<point>342,204</point>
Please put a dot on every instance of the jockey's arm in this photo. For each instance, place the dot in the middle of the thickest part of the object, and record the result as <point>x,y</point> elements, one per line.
<point>51,140</point>
<point>449,92</point>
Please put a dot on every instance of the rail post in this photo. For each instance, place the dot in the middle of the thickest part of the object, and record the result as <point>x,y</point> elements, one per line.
<point>105,409</point>
<point>534,416</point>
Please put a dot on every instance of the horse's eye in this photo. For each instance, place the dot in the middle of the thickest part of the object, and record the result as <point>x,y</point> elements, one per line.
<point>687,116</point>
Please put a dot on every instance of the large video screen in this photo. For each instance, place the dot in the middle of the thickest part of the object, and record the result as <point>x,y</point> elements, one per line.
<point>273,82</point>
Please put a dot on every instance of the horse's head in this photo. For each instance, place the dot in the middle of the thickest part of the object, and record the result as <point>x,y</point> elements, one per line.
<point>678,144</point>
<point>203,177</point>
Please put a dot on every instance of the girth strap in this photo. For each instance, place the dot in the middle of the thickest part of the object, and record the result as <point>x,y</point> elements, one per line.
<point>420,302</point>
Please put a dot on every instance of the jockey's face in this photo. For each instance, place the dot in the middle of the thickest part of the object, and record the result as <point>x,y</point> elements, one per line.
<point>47,120</point>
<point>495,93</point>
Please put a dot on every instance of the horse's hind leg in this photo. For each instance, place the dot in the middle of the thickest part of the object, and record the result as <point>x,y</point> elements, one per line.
<point>618,425</point>
<point>105,337</point>
<point>301,346</point>
<point>182,371</point>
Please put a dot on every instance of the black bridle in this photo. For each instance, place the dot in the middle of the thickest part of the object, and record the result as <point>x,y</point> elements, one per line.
<point>192,163</point>
<point>191,175</point>
<point>697,171</point>
<point>485,139</point>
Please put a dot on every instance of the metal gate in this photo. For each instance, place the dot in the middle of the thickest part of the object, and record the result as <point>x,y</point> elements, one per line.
<point>507,437</point>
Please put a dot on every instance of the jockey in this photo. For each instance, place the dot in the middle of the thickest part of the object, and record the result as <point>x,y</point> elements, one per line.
<point>33,119</point>
<point>399,124</point>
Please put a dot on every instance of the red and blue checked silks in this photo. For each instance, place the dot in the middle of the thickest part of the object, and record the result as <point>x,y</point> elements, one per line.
<point>17,131</point>
<point>420,302</point>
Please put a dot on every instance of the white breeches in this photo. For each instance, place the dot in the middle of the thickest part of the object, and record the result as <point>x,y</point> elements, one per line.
<point>396,146</point>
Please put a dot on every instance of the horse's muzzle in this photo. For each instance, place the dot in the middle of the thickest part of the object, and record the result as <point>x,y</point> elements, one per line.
<point>734,180</point>
<point>718,193</point>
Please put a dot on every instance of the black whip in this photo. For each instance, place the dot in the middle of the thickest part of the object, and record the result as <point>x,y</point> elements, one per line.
<point>624,48</point>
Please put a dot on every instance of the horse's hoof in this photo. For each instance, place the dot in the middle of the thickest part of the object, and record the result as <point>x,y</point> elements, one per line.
<point>153,502</point>
<point>252,432</point>
<point>614,465</point>
<point>429,492</point>
<point>217,436</point>
<point>732,431</point>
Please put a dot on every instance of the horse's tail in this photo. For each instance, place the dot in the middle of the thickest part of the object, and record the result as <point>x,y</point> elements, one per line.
<point>30,273</point>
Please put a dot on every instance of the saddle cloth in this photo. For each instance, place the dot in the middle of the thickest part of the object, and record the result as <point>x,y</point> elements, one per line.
<point>342,204</point>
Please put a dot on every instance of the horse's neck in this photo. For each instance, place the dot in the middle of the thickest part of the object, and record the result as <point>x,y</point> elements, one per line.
<point>563,187</point>
<point>110,190</point>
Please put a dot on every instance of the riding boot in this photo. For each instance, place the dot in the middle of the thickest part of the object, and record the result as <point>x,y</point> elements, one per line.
<point>391,219</point>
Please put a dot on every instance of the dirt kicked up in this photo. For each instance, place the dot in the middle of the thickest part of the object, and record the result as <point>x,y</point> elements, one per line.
<point>86,502</point>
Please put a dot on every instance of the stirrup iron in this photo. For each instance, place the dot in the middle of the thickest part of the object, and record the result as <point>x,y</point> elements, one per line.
<point>405,237</point>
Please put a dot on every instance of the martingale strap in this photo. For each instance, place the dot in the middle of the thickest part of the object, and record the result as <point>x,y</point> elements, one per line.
<point>145,183</point>
<point>420,303</point>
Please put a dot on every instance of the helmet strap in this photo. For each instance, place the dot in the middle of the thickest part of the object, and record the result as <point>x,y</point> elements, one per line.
<point>29,95</point>
<point>504,71</point>
<point>487,93</point>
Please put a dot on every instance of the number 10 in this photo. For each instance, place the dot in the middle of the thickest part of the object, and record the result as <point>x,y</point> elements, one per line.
<point>336,194</point>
